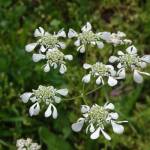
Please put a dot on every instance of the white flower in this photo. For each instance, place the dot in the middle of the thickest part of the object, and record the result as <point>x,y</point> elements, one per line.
<point>97,118</point>
<point>44,95</point>
<point>23,144</point>
<point>46,40</point>
<point>114,38</point>
<point>99,71</point>
<point>131,61</point>
<point>85,37</point>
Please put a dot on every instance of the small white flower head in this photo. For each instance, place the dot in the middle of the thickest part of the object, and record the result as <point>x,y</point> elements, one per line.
<point>97,118</point>
<point>87,36</point>
<point>27,144</point>
<point>115,38</point>
<point>100,71</point>
<point>46,40</point>
<point>44,96</point>
<point>131,61</point>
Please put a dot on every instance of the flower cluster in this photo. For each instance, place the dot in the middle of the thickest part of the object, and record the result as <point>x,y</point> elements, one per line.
<point>27,144</point>
<point>44,95</point>
<point>98,117</point>
<point>131,61</point>
<point>100,70</point>
<point>87,36</point>
<point>48,49</point>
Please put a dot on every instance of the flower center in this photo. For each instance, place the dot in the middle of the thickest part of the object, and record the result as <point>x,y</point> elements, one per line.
<point>55,56</point>
<point>98,115</point>
<point>49,41</point>
<point>99,69</point>
<point>128,60</point>
<point>87,37</point>
<point>44,94</point>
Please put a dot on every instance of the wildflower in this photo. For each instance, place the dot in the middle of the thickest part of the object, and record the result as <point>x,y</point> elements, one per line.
<point>85,37</point>
<point>27,144</point>
<point>44,96</point>
<point>55,58</point>
<point>100,70</point>
<point>131,61</point>
<point>46,40</point>
<point>115,38</point>
<point>98,117</point>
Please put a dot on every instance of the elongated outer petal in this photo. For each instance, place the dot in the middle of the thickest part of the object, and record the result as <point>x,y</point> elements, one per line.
<point>26,96</point>
<point>86,66</point>
<point>68,57</point>
<point>86,78</point>
<point>107,137</point>
<point>105,36</point>
<point>77,42</point>
<point>98,80</point>
<point>34,109</point>
<point>62,69</point>
<point>37,57</point>
<point>137,77</point>
<point>39,32</point>
<point>63,92</point>
<point>81,49</point>
<point>87,27</point>
<point>85,108</point>
<point>48,112</point>
<point>57,99</point>
<point>42,49</point>
<point>113,59</point>
<point>112,81</point>
<point>114,115</point>
<point>120,53</point>
<point>54,113</point>
<point>95,134</point>
<point>143,64</point>
<point>61,33</point>
<point>146,58</point>
<point>72,33</point>
<point>131,49</point>
<point>30,47</point>
<point>109,106</point>
<point>121,73</point>
<point>117,128</point>
<point>76,127</point>
<point>47,68</point>
<point>62,45</point>
<point>100,44</point>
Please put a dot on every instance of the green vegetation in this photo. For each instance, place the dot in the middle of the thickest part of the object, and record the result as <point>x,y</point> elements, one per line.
<point>18,20</point>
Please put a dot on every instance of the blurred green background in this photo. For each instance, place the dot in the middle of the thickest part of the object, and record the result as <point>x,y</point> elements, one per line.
<point>18,20</point>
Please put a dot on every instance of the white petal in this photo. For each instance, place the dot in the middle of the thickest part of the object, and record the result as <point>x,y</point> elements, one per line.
<point>61,33</point>
<point>77,42</point>
<point>57,99</point>
<point>54,65</point>
<point>112,81</point>
<point>39,32</point>
<point>117,128</point>
<point>87,27</point>
<point>37,57</point>
<point>54,113</point>
<point>121,73</point>
<point>107,137</point>
<point>105,36</point>
<point>81,49</point>
<point>33,99</point>
<point>42,49</point>
<point>120,53</point>
<point>77,126</point>
<point>63,92</point>
<point>34,109</point>
<point>100,44</point>
<point>26,96</point>
<point>72,33</point>
<point>85,108</point>
<point>114,115</point>
<point>62,69</point>
<point>144,73</point>
<point>98,80</point>
<point>86,66</point>
<point>109,106</point>
<point>146,58</point>
<point>47,68</point>
<point>86,78</point>
<point>30,47</point>
<point>143,64</point>
<point>68,57</point>
<point>113,59</point>
<point>137,77</point>
<point>131,49</point>
<point>48,112</point>
<point>62,45</point>
<point>92,129</point>
<point>95,134</point>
